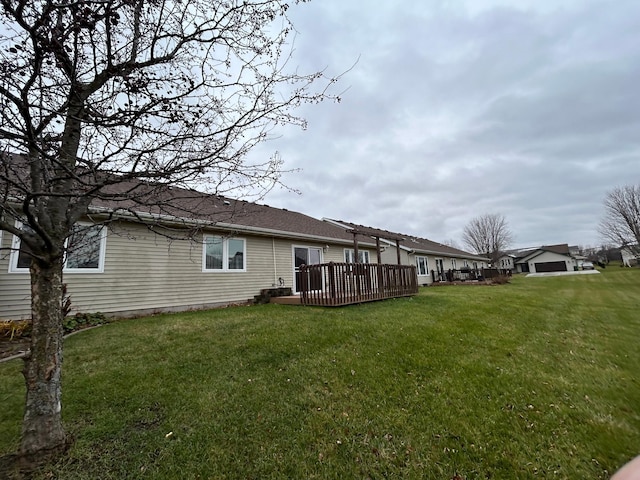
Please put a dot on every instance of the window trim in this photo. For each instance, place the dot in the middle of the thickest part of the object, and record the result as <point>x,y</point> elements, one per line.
<point>426,265</point>
<point>15,253</point>
<point>225,254</point>
<point>102,252</point>
<point>351,253</point>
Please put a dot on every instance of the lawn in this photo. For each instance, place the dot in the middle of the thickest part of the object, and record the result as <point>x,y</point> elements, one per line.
<point>534,379</point>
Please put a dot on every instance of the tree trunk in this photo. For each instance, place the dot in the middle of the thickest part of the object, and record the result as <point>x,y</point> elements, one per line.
<point>42,432</point>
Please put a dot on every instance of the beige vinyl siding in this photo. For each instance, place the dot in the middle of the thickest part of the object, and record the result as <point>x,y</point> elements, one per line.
<point>390,256</point>
<point>284,257</point>
<point>336,254</point>
<point>14,288</point>
<point>145,273</point>
<point>153,273</point>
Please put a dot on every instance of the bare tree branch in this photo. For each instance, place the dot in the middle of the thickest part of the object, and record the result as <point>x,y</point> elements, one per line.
<point>488,235</point>
<point>106,104</point>
<point>621,222</point>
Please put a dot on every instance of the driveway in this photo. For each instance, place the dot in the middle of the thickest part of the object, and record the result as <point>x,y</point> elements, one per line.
<point>558,274</point>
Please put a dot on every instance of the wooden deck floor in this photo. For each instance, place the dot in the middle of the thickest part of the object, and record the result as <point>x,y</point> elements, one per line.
<point>325,301</point>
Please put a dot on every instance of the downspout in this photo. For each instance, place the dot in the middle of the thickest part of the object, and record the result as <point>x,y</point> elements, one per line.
<point>275,263</point>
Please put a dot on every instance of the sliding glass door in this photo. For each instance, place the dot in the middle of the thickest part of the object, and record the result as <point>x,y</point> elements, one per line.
<point>307,256</point>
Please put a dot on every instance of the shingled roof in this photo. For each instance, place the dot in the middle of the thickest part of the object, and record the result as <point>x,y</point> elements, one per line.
<point>138,200</point>
<point>226,213</point>
<point>410,242</point>
<point>519,254</point>
<point>154,201</point>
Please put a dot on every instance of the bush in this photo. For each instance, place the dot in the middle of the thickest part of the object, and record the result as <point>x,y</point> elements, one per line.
<point>501,279</point>
<point>14,329</point>
<point>83,320</point>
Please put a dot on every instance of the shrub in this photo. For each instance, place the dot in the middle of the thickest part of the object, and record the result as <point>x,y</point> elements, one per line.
<point>15,329</point>
<point>83,320</point>
<point>501,279</point>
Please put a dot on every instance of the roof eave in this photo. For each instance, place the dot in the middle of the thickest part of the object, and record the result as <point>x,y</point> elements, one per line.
<point>232,227</point>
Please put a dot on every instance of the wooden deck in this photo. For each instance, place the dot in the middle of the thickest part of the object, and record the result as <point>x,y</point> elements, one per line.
<point>288,300</point>
<point>338,284</point>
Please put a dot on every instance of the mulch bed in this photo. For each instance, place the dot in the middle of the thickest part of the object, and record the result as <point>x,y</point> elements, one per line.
<point>8,348</point>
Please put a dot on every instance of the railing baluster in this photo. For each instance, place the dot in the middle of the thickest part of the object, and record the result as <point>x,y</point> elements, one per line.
<point>347,283</point>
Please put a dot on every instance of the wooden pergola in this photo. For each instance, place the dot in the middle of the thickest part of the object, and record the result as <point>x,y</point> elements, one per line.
<point>336,284</point>
<point>372,232</point>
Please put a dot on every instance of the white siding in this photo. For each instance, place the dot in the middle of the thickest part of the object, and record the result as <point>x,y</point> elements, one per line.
<point>545,257</point>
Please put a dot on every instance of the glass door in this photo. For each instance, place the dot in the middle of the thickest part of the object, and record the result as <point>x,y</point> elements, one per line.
<point>307,256</point>
<point>440,269</point>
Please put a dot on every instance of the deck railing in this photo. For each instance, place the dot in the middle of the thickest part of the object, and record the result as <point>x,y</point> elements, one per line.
<point>466,274</point>
<point>334,284</point>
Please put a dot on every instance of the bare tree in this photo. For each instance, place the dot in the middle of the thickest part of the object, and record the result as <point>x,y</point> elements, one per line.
<point>450,242</point>
<point>108,103</point>
<point>488,235</point>
<point>621,222</point>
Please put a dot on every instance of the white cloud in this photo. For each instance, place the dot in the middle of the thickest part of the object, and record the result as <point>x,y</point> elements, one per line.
<point>455,109</point>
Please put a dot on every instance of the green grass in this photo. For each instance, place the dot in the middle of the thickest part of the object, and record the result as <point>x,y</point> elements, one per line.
<point>534,379</point>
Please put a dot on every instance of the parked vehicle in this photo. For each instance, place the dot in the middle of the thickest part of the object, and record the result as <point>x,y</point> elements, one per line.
<point>587,266</point>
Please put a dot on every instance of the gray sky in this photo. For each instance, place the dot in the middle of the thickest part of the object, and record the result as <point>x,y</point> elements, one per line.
<point>459,108</point>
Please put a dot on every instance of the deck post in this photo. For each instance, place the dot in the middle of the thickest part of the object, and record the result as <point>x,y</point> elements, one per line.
<point>332,280</point>
<point>356,253</point>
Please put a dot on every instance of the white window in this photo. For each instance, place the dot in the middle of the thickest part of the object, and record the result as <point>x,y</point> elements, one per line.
<point>85,249</point>
<point>363,256</point>
<point>423,265</point>
<point>222,254</point>
<point>453,263</point>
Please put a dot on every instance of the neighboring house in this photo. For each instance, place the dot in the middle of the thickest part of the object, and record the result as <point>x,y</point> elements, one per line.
<point>547,258</point>
<point>237,248</point>
<point>432,259</point>
<point>506,262</point>
<point>630,255</point>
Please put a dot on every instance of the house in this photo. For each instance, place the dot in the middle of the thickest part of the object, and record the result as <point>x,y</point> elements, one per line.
<point>630,255</point>
<point>176,249</point>
<point>506,262</point>
<point>547,258</point>
<point>432,259</point>
<point>230,251</point>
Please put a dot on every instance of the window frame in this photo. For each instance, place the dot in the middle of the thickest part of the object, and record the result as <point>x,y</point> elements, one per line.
<point>16,244</point>
<point>426,265</point>
<point>349,255</point>
<point>225,254</point>
<point>101,253</point>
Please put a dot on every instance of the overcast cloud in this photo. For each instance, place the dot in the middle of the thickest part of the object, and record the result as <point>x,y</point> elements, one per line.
<point>459,108</point>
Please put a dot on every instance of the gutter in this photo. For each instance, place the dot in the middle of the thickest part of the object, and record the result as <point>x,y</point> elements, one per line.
<point>180,221</point>
<point>434,252</point>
